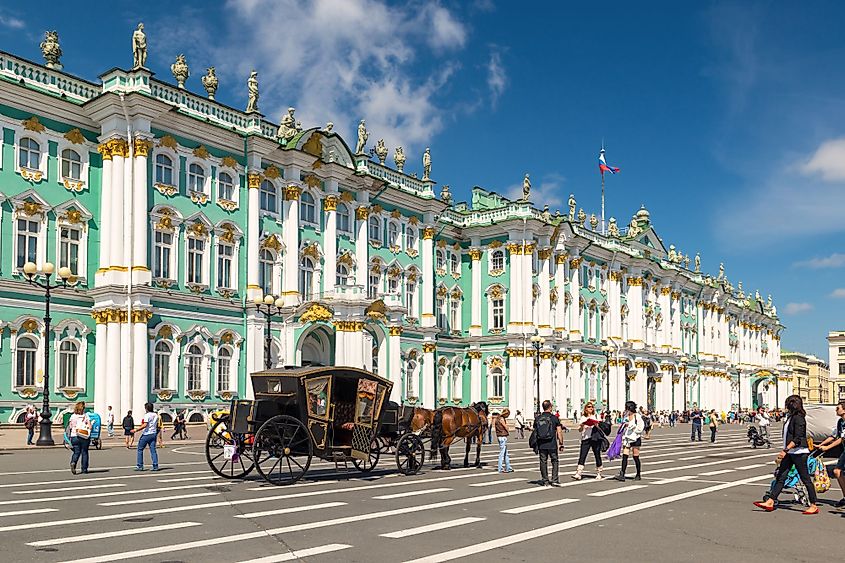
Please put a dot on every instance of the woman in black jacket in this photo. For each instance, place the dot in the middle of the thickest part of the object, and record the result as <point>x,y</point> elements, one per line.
<point>795,452</point>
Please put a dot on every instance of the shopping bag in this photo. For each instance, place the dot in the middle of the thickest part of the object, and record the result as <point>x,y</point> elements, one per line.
<point>615,449</point>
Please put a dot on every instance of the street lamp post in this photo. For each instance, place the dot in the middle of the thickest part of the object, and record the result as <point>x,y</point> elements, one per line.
<point>30,270</point>
<point>268,306</point>
<point>684,361</point>
<point>607,349</point>
<point>537,341</point>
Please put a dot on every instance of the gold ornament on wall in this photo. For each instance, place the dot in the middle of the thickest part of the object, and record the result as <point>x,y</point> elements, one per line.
<point>330,203</point>
<point>169,142</point>
<point>272,172</point>
<point>315,313</point>
<point>253,181</point>
<point>201,152</point>
<point>229,162</point>
<point>32,124</point>
<point>292,193</point>
<point>314,144</point>
<point>272,243</point>
<point>75,136</point>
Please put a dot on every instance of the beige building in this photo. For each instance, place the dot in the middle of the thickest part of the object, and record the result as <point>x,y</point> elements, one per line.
<point>810,376</point>
<point>836,350</point>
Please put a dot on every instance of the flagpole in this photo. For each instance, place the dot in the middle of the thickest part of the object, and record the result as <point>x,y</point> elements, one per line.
<point>603,225</point>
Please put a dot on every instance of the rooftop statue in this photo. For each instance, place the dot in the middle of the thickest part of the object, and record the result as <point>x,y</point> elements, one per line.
<point>209,82</point>
<point>180,70</point>
<point>740,293</point>
<point>581,216</point>
<point>547,215</point>
<point>426,164</point>
<point>769,301</point>
<point>673,256</point>
<point>594,221</point>
<point>287,126</point>
<point>252,88</point>
<point>446,195</point>
<point>329,126</point>
<point>399,158</point>
<point>721,271</point>
<point>686,261</point>
<point>571,207</point>
<point>362,138</point>
<point>51,50</point>
<point>526,187</point>
<point>613,228</point>
<point>634,227</point>
<point>757,296</point>
<point>381,151</point>
<point>139,47</point>
<point>697,262</point>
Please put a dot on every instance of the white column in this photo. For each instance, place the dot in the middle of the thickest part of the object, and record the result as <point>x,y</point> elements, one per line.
<point>545,376</point>
<point>361,273</point>
<point>100,374</point>
<point>113,361</point>
<point>576,387</point>
<point>427,316</point>
<point>330,241</point>
<point>125,364</point>
<point>290,233</point>
<point>639,387</point>
<point>475,390</point>
<point>105,217</point>
<point>636,334</point>
<point>665,334</point>
<point>560,286</point>
<point>575,324</point>
<point>118,210</point>
<point>253,233</point>
<point>140,268</point>
<point>477,298</point>
<point>543,303</point>
<point>349,344</point>
<point>427,398</point>
<point>395,359</point>
<point>140,360</point>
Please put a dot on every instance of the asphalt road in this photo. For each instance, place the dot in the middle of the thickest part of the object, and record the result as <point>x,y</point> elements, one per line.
<point>693,504</point>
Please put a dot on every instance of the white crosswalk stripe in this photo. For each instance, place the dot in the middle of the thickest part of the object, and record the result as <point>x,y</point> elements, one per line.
<point>432,527</point>
<point>114,534</point>
<point>539,506</point>
<point>617,491</point>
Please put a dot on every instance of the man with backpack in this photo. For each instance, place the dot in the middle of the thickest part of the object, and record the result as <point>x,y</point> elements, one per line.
<point>546,440</point>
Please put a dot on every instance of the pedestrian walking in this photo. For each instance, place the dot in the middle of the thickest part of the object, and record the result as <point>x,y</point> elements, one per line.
<point>502,433</point>
<point>110,422</point>
<point>149,432</point>
<point>795,453</point>
<point>631,440</point>
<point>29,421</point>
<point>160,432</point>
<point>696,418</point>
<point>714,425</point>
<point>179,426</point>
<point>547,439</point>
<point>833,441</point>
<point>591,439</point>
<point>646,417</point>
<point>80,436</point>
<point>763,422</point>
<point>128,430</point>
<point>520,425</point>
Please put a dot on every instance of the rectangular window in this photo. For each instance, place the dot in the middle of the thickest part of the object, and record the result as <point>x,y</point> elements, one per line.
<point>225,254</point>
<point>455,321</point>
<point>498,314</point>
<point>842,350</point>
<point>441,315</point>
<point>27,241</point>
<point>196,248</point>
<point>69,249</point>
<point>373,283</point>
<point>841,369</point>
<point>161,261</point>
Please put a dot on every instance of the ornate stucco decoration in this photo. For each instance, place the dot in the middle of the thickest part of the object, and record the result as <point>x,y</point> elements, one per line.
<point>475,254</point>
<point>200,198</point>
<point>312,181</point>
<point>198,229</point>
<point>201,152</point>
<point>381,151</point>
<point>169,142</point>
<point>395,331</point>
<point>165,222</point>
<point>74,136</point>
<point>330,203</point>
<point>272,242</point>
<point>166,189</point>
<point>429,347</point>
<point>142,146</point>
<point>314,145</point>
<point>229,162</point>
<point>51,50</point>
<point>311,250</point>
<point>180,71</point>
<point>253,181</point>
<point>227,205</point>
<point>292,193</point>
<point>32,124</point>
<point>197,394</point>
<point>315,313</point>
<point>228,234</point>
<point>346,196</point>
<point>496,292</point>
<point>30,208</point>
<point>210,82</point>
<point>399,158</point>
<point>272,172</point>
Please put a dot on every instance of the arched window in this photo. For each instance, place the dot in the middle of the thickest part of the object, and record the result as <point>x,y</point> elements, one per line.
<point>268,198</point>
<point>411,378</point>
<point>342,218</point>
<point>375,228</point>
<point>342,277</point>
<point>68,354</point>
<point>410,298</point>
<point>71,165</point>
<point>196,178</point>
<point>225,187</point>
<point>161,365</point>
<point>224,363</point>
<point>193,368</point>
<point>457,382</point>
<point>442,382</point>
<point>440,264</point>
<point>497,260</point>
<point>411,238</point>
<point>164,170</point>
<point>454,263</point>
<point>392,234</point>
<point>497,382</point>
<point>307,208</point>
<point>265,271</point>
<point>306,278</point>
<point>25,372</point>
<point>29,155</point>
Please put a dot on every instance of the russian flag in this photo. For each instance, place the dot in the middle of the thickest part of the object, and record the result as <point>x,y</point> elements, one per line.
<point>603,167</point>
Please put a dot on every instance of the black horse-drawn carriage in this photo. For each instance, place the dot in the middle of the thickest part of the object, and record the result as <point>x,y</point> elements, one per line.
<point>337,414</point>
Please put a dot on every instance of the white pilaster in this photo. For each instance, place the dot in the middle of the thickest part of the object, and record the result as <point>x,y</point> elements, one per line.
<point>427,398</point>
<point>126,366</point>
<point>395,359</point>
<point>140,362</point>
<point>636,334</point>
<point>253,233</point>
<point>330,239</point>
<point>427,317</point>
<point>475,374</point>
<point>118,208</point>
<point>105,218</point>
<point>575,324</point>
<point>475,319</point>
<point>112,346</point>
<point>100,374</point>
<point>559,321</point>
<point>141,274</point>
<point>543,303</point>
<point>290,234</point>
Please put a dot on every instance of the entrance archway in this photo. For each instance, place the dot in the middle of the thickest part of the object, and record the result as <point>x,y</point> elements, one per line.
<point>316,347</point>
<point>764,392</point>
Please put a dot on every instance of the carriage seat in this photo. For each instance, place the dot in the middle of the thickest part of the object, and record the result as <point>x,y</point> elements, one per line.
<point>344,422</point>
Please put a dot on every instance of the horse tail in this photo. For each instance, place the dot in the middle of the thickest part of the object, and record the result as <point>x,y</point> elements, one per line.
<point>436,433</point>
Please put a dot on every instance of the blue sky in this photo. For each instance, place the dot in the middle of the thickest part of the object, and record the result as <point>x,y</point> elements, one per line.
<point>725,117</point>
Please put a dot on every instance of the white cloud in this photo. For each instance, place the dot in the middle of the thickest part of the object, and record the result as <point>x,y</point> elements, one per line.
<point>828,161</point>
<point>798,308</point>
<point>333,60</point>
<point>11,22</point>
<point>838,293</point>
<point>835,260</point>
<point>497,78</point>
<point>548,191</point>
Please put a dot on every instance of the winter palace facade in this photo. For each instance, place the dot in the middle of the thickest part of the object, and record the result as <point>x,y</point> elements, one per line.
<point>175,212</point>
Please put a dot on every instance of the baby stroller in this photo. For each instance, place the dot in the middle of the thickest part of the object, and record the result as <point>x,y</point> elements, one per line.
<point>756,439</point>
<point>793,483</point>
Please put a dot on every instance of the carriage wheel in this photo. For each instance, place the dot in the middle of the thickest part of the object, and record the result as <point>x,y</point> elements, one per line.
<point>218,437</point>
<point>278,444</point>
<point>410,454</point>
<point>367,465</point>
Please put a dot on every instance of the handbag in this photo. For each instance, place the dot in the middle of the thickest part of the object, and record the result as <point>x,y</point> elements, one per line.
<point>83,428</point>
<point>615,449</point>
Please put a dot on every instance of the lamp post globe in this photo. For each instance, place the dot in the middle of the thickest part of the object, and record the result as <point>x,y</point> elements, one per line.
<point>268,300</point>
<point>280,302</point>
<point>30,268</point>
<point>65,273</point>
<point>258,300</point>
<point>48,268</point>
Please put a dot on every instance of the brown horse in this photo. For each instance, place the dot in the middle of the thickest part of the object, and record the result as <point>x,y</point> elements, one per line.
<point>451,423</point>
<point>422,419</point>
